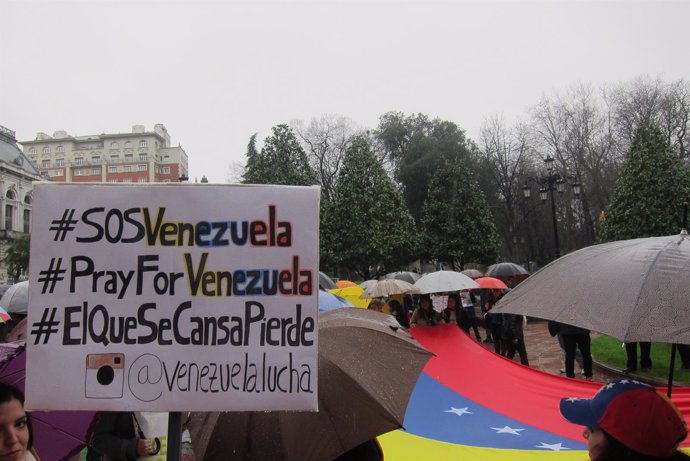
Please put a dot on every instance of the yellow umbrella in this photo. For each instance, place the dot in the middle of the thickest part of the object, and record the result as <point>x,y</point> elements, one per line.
<point>352,294</point>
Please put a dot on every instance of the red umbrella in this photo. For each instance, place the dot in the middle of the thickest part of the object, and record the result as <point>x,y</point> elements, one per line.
<point>491,282</point>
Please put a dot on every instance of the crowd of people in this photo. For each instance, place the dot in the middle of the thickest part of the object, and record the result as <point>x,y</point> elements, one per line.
<point>505,331</point>
<point>624,420</point>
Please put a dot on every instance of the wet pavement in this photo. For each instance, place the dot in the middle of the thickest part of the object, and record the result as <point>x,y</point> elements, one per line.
<point>544,352</point>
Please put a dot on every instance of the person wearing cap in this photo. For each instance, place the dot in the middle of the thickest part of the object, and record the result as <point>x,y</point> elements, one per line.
<point>628,420</point>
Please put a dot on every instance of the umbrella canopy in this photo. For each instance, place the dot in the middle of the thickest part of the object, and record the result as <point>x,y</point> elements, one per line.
<point>367,283</point>
<point>345,284</point>
<point>16,298</point>
<point>472,273</point>
<point>388,287</point>
<point>361,395</point>
<point>57,434</point>
<point>328,301</point>
<point>491,282</point>
<point>4,316</point>
<point>353,295</point>
<point>406,276</point>
<point>325,282</point>
<point>18,333</point>
<point>445,281</point>
<point>505,270</point>
<point>633,290</point>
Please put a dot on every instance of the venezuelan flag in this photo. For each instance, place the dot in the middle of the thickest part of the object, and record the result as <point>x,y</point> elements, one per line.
<point>472,404</point>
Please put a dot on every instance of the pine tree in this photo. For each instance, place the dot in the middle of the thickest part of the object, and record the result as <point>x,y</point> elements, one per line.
<point>281,161</point>
<point>456,220</point>
<point>367,227</point>
<point>650,189</point>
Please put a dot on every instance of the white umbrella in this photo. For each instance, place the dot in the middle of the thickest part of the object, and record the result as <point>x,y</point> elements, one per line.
<point>16,298</point>
<point>445,281</point>
<point>367,283</point>
<point>388,287</point>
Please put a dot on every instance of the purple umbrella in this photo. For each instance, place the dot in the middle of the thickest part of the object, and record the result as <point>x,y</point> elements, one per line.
<point>57,434</point>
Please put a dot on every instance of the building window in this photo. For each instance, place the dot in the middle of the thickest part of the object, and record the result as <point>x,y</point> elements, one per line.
<point>46,150</point>
<point>114,145</point>
<point>143,143</point>
<point>96,160</point>
<point>165,170</point>
<point>27,221</point>
<point>113,180</point>
<point>9,211</point>
<point>142,180</point>
<point>143,157</point>
<point>129,158</point>
<point>59,162</point>
<point>112,169</point>
<point>95,171</point>
<point>79,161</point>
<point>127,168</point>
<point>60,149</point>
<point>128,145</point>
<point>127,180</point>
<point>45,164</point>
<point>32,151</point>
<point>54,173</point>
<point>141,167</point>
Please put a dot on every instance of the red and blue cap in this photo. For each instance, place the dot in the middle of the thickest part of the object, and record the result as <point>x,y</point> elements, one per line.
<point>633,413</point>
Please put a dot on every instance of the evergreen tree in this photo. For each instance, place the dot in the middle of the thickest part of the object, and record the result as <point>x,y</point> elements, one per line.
<point>650,189</point>
<point>367,227</point>
<point>17,257</point>
<point>457,223</point>
<point>281,161</point>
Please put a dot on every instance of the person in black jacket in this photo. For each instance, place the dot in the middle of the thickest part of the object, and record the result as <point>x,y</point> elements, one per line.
<point>115,436</point>
<point>399,312</point>
<point>576,337</point>
<point>513,337</point>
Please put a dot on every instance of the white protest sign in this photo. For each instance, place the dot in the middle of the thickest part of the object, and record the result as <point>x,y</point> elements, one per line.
<point>173,297</point>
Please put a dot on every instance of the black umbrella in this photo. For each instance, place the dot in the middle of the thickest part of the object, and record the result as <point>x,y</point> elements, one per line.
<point>634,290</point>
<point>505,270</point>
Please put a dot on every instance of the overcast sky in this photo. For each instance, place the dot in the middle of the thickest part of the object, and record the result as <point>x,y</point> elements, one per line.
<point>215,72</point>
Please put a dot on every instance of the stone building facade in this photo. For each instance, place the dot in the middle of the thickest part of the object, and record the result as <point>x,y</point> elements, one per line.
<point>16,176</point>
<point>137,157</point>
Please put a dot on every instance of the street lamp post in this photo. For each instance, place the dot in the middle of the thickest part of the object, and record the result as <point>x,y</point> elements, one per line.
<point>552,181</point>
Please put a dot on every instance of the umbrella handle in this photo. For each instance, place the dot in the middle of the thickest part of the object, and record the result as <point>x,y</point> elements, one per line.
<point>672,366</point>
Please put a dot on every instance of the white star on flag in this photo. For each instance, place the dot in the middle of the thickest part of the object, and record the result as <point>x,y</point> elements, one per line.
<point>507,430</point>
<point>553,446</point>
<point>458,411</point>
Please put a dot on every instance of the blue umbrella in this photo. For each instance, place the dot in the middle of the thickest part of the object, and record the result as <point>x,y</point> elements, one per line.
<point>329,301</point>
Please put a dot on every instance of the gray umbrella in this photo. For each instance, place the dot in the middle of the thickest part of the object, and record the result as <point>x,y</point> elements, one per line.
<point>405,276</point>
<point>325,282</point>
<point>16,298</point>
<point>633,290</point>
<point>361,395</point>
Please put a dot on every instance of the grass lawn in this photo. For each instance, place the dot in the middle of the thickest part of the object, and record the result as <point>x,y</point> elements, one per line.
<point>609,351</point>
